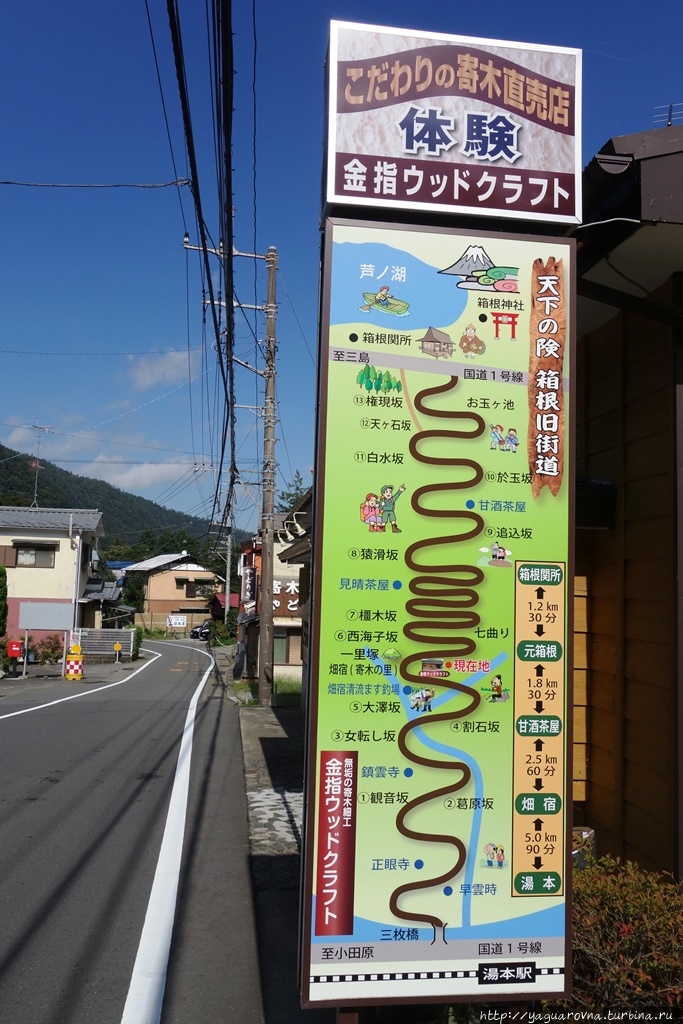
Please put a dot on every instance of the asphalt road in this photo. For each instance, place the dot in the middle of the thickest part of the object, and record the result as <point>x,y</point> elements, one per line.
<point>86,786</point>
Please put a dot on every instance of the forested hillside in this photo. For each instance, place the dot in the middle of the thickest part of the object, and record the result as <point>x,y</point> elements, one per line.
<point>127,519</point>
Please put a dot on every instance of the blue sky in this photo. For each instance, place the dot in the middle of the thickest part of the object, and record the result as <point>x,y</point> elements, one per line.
<point>101,334</point>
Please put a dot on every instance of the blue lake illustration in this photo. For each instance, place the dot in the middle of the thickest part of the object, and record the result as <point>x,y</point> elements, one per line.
<point>419,297</point>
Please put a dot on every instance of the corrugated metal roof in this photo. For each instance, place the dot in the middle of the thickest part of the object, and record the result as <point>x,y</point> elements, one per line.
<point>180,561</point>
<point>85,519</point>
<point>101,590</point>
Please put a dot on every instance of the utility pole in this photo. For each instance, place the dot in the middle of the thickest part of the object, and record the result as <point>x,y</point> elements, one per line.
<point>228,568</point>
<point>35,465</point>
<point>265,675</point>
<point>266,635</point>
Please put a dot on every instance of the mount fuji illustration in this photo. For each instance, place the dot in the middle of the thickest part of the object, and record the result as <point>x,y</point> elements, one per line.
<point>478,271</point>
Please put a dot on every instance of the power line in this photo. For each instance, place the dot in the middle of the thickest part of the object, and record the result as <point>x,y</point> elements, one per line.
<point>163,107</point>
<point>227,69</point>
<point>148,352</point>
<point>121,462</point>
<point>174,25</point>
<point>178,183</point>
<point>104,440</point>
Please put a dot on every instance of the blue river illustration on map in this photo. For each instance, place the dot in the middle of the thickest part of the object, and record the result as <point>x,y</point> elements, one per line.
<point>434,301</point>
<point>539,924</point>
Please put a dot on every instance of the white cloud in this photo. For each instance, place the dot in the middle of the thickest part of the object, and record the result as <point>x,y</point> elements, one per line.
<point>21,439</point>
<point>166,368</point>
<point>136,478</point>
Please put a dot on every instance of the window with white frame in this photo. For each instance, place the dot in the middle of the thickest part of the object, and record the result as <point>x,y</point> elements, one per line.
<point>40,558</point>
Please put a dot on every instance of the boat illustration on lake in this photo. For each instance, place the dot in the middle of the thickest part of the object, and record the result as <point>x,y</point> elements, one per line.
<point>387,304</point>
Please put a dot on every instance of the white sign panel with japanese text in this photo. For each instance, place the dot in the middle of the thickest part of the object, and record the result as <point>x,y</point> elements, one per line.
<point>424,121</point>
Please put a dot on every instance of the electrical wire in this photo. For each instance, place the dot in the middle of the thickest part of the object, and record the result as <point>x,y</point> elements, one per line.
<point>81,355</point>
<point>174,25</point>
<point>224,66</point>
<point>163,107</point>
<point>178,183</point>
<point>298,322</point>
<point>101,440</point>
<point>620,273</point>
<point>117,462</point>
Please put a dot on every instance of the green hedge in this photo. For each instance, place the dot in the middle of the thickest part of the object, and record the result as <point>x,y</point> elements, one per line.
<point>627,937</point>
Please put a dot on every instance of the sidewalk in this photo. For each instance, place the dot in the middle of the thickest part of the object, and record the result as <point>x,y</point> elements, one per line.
<point>93,673</point>
<point>273,753</point>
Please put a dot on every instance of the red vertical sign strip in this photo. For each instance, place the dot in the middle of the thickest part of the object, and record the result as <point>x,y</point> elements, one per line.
<point>336,850</point>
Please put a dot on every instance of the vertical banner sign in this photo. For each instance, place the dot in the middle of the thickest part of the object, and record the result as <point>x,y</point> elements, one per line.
<point>437,855</point>
<point>425,121</point>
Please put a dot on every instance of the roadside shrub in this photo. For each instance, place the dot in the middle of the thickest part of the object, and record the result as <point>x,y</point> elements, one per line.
<point>627,937</point>
<point>224,633</point>
<point>49,650</point>
<point>5,662</point>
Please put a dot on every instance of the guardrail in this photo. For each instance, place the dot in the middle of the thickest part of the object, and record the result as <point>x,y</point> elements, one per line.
<point>102,641</point>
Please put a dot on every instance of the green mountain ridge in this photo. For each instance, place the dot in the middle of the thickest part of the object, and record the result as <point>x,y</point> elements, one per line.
<point>126,516</point>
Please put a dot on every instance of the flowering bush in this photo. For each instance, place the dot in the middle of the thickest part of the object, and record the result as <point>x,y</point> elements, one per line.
<point>49,650</point>
<point>5,662</point>
<point>627,937</point>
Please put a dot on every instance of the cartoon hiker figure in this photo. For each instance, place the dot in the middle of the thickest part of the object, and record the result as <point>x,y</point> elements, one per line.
<point>496,435</point>
<point>369,513</point>
<point>387,505</point>
<point>511,440</point>
<point>500,856</point>
<point>490,851</point>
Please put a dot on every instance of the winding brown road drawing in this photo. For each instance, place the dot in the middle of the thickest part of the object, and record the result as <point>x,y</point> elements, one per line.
<point>444,597</point>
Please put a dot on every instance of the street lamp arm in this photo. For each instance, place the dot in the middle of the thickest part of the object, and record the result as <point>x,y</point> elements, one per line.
<point>248,366</point>
<point>221,253</point>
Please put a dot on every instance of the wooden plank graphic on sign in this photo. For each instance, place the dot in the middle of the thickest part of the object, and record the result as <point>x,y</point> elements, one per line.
<point>547,337</point>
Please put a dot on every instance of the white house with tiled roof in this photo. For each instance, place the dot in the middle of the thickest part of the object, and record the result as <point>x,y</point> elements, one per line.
<point>48,554</point>
<point>177,589</point>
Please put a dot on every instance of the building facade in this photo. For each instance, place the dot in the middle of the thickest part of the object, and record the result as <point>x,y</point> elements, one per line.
<point>629,544</point>
<point>287,625</point>
<point>48,555</point>
<point>177,591</point>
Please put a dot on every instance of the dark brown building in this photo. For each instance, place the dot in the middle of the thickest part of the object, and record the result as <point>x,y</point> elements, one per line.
<point>629,543</point>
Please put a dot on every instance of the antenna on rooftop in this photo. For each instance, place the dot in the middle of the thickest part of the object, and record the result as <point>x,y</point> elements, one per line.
<point>34,465</point>
<point>673,113</point>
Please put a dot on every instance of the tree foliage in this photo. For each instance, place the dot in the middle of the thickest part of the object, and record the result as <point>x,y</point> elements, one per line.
<point>383,381</point>
<point>126,516</point>
<point>134,591</point>
<point>627,925</point>
<point>290,496</point>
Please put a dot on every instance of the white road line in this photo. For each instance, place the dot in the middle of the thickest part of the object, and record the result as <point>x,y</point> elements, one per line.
<point>86,693</point>
<point>146,992</point>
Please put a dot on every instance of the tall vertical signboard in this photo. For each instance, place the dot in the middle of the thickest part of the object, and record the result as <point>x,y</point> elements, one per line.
<point>436,863</point>
<point>452,124</point>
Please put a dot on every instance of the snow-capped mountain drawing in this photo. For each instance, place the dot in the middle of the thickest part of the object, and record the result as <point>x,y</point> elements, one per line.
<point>478,272</point>
<point>474,258</point>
